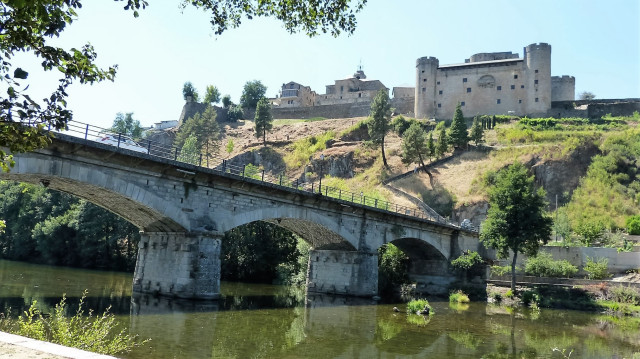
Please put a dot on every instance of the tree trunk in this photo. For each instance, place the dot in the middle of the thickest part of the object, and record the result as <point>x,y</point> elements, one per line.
<point>264,138</point>
<point>424,167</point>
<point>513,272</point>
<point>384,158</point>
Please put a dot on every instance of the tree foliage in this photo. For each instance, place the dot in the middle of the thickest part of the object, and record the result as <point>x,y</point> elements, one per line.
<point>379,118</point>
<point>126,125</point>
<point>211,95</point>
<point>50,227</point>
<point>414,145</point>
<point>28,26</point>
<point>253,252</point>
<point>516,220</point>
<point>263,119</point>
<point>443,143</point>
<point>190,151</point>
<point>226,101</point>
<point>587,95</point>
<point>234,113</point>
<point>477,132</point>
<point>189,91</point>
<point>205,130</point>
<point>431,145</point>
<point>393,268</point>
<point>252,93</point>
<point>458,135</point>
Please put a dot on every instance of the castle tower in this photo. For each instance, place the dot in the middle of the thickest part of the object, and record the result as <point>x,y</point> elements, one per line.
<point>426,70</point>
<point>537,59</point>
<point>563,88</point>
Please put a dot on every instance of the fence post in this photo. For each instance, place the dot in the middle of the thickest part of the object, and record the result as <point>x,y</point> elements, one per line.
<point>175,155</point>
<point>281,179</point>
<point>224,166</point>
<point>312,187</point>
<point>326,190</point>
<point>86,132</point>
<point>243,168</point>
<point>262,175</point>
<point>340,194</point>
<point>200,161</point>
<point>352,195</point>
<point>376,203</point>
<point>296,183</point>
<point>149,147</point>
<point>119,138</point>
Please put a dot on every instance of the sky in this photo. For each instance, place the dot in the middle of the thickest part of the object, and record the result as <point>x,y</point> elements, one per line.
<point>598,42</point>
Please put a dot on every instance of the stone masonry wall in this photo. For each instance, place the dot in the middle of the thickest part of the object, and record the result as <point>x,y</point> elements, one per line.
<point>342,272</point>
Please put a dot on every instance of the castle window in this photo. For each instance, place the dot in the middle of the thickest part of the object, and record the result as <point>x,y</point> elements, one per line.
<point>536,99</point>
<point>424,80</point>
<point>515,77</point>
<point>499,88</point>
<point>438,83</point>
<point>439,105</point>
<point>536,71</point>
<point>513,87</point>
<point>521,86</point>
<point>422,71</point>
<point>341,97</point>
<point>424,90</point>
<point>462,103</point>
<point>519,101</point>
<point>440,92</point>
<point>498,101</point>
<point>468,89</point>
<point>360,94</point>
<point>464,79</point>
<point>535,82</point>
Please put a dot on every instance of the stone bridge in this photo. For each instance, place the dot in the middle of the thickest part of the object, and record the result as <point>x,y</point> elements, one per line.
<point>183,210</point>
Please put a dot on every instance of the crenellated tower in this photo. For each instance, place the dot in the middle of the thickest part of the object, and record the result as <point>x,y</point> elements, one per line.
<point>426,72</point>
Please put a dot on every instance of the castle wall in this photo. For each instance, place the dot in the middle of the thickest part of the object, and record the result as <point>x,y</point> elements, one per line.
<point>343,110</point>
<point>490,90</point>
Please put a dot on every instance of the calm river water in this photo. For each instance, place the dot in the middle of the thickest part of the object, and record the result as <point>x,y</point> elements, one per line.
<point>265,321</point>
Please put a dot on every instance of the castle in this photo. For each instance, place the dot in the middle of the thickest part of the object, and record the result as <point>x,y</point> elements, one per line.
<point>496,83</point>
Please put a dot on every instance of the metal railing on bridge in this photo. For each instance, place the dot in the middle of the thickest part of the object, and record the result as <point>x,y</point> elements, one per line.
<point>107,136</point>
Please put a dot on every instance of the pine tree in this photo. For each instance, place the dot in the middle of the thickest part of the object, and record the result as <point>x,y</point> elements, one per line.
<point>379,120</point>
<point>494,119</point>
<point>204,128</point>
<point>443,143</point>
<point>458,130</point>
<point>477,133</point>
<point>414,145</point>
<point>263,119</point>
<point>431,146</point>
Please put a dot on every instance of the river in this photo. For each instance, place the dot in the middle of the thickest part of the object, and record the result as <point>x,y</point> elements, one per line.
<point>268,321</point>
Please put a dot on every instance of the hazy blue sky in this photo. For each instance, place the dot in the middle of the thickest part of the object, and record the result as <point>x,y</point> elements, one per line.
<point>598,42</point>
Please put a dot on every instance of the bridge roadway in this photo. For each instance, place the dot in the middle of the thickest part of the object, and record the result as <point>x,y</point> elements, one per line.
<point>183,210</point>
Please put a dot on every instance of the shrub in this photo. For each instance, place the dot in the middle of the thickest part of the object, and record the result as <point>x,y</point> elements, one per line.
<point>597,269</point>
<point>393,268</point>
<point>633,224</point>
<point>543,265</point>
<point>467,260</point>
<point>458,297</point>
<point>509,294</point>
<point>622,294</point>
<point>95,334</point>
<point>497,297</point>
<point>418,305</point>
<point>531,298</point>
<point>501,270</point>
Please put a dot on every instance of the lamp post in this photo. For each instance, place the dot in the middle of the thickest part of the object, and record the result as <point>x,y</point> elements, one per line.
<point>321,165</point>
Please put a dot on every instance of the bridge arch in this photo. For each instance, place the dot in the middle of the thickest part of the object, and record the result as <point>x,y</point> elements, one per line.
<point>322,232</point>
<point>136,204</point>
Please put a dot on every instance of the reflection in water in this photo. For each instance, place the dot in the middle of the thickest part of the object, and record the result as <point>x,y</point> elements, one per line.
<point>266,321</point>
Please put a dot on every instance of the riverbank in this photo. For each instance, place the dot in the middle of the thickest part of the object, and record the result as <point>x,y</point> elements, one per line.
<point>16,347</point>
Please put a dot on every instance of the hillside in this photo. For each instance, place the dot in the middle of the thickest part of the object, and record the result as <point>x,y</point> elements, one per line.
<point>560,154</point>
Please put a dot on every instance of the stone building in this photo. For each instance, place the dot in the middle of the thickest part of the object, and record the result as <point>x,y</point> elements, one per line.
<point>492,84</point>
<point>293,94</point>
<point>354,89</point>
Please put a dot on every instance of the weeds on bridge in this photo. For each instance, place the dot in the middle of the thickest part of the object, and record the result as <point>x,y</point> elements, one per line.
<point>86,331</point>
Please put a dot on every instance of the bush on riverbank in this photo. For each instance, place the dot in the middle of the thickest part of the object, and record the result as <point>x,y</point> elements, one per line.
<point>84,331</point>
<point>543,265</point>
<point>458,297</point>
<point>419,306</point>
<point>597,269</point>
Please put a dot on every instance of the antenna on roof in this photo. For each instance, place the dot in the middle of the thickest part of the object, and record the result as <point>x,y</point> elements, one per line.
<point>360,66</point>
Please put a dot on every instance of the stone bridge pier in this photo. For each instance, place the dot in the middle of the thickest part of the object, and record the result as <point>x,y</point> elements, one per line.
<point>343,272</point>
<point>184,265</point>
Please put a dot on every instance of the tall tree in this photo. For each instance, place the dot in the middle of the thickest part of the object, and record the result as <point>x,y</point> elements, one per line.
<point>205,129</point>
<point>252,92</point>
<point>443,143</point>
<point>477,133</point>
<point>190,151</point>
<point>189,91</point>
<point>458,131</point>
<point>126,125</point>
<point>263,119</point>
<point>586,95</point>
<point>234,113</point>
<point>226,101</point>
<point>27,27</point>
<point>211,95</point>
<point>414,145</point>
<point>516,220</point>
<point>431,146</point>
<point>379,120</point>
